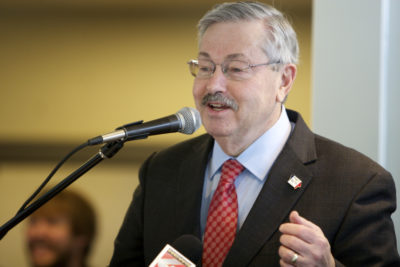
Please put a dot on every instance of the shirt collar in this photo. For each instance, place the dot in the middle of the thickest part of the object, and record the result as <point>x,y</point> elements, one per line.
<point>260,155</point>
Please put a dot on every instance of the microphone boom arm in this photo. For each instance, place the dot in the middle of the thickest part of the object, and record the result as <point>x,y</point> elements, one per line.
<point>107,151</point>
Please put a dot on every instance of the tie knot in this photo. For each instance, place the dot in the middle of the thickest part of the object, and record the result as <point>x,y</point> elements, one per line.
<point>230,170</point>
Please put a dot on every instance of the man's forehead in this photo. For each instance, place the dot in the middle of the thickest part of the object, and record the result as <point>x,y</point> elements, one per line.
<point>49,216</point>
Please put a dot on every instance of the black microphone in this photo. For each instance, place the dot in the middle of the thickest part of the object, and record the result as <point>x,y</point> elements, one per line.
<point>186,120</point>
<point>186,250</point>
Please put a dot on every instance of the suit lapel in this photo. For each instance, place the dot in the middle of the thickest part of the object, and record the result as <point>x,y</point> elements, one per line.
<point>190,187</point>
<point>276,198</point>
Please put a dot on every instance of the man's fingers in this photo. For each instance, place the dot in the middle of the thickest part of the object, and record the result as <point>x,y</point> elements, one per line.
<point>295,217</point>
<point>288,256</point>
<point>301,228</point>
<point>292,242</point>
<point>307,240</point>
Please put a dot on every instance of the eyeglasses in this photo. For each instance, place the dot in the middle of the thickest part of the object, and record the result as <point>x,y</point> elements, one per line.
<point>232,69</point>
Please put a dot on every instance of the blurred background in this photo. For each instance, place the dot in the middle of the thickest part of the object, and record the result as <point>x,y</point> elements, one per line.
<point>71,70</point>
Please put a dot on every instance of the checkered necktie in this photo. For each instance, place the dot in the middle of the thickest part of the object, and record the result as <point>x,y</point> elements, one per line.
<point>222,217</point>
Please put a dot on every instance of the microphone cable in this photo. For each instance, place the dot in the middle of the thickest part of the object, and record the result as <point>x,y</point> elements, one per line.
<point>46,181</point>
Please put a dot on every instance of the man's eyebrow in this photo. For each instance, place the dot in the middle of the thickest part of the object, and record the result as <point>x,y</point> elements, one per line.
<point>232,56</point>
<point>204,54</point>
<point>236,56</point>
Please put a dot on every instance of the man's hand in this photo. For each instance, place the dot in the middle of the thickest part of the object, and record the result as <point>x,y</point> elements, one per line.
<point>303,244</point>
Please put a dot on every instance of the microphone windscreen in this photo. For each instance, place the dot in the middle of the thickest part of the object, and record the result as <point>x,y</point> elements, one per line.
<point>190,120</point>
<point>190,246</point>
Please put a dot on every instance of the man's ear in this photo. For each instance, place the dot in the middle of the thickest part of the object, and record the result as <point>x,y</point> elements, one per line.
<point>288,74</point>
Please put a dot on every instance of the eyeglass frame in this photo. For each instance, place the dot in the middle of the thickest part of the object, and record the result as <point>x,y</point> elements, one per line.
<point>194,62</point>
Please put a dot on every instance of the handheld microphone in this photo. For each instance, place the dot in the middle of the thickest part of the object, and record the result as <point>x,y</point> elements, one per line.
<point>186,120</point>
<point>185,251</point>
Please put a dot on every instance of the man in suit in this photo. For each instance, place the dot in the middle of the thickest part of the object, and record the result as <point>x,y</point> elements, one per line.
<point>299,199</point>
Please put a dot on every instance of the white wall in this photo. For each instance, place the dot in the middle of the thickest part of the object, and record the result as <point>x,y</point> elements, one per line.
<point>391,152</point>
<point>356,64</point>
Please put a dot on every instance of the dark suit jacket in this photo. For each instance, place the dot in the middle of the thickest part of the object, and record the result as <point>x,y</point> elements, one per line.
<point>350,197</point>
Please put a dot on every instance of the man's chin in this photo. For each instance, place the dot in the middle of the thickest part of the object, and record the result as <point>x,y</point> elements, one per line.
<point>42,257</point>
<point>219,129</point>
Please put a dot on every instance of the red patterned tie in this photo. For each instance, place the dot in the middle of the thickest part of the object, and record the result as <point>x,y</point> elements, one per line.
<point>222,217</point>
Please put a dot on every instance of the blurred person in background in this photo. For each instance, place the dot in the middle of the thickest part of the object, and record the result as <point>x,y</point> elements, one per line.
<point>61,232</point>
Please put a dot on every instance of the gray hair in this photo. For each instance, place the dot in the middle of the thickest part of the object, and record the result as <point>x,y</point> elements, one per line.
<point>280,44</point>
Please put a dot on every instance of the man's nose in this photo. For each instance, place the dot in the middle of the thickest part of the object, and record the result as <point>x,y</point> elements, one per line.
<point>217,82</point>
<point>37,229</point>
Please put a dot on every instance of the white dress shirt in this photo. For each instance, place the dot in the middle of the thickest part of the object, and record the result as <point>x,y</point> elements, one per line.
<point>257,160</point>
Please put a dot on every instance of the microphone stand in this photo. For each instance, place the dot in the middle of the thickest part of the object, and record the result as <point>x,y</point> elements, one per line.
<point>107,151</point>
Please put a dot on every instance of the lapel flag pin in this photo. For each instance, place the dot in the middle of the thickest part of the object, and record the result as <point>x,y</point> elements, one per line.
<point>295,182</point>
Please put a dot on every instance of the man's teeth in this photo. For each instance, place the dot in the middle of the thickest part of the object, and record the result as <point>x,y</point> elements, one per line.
<point>217,106</point>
